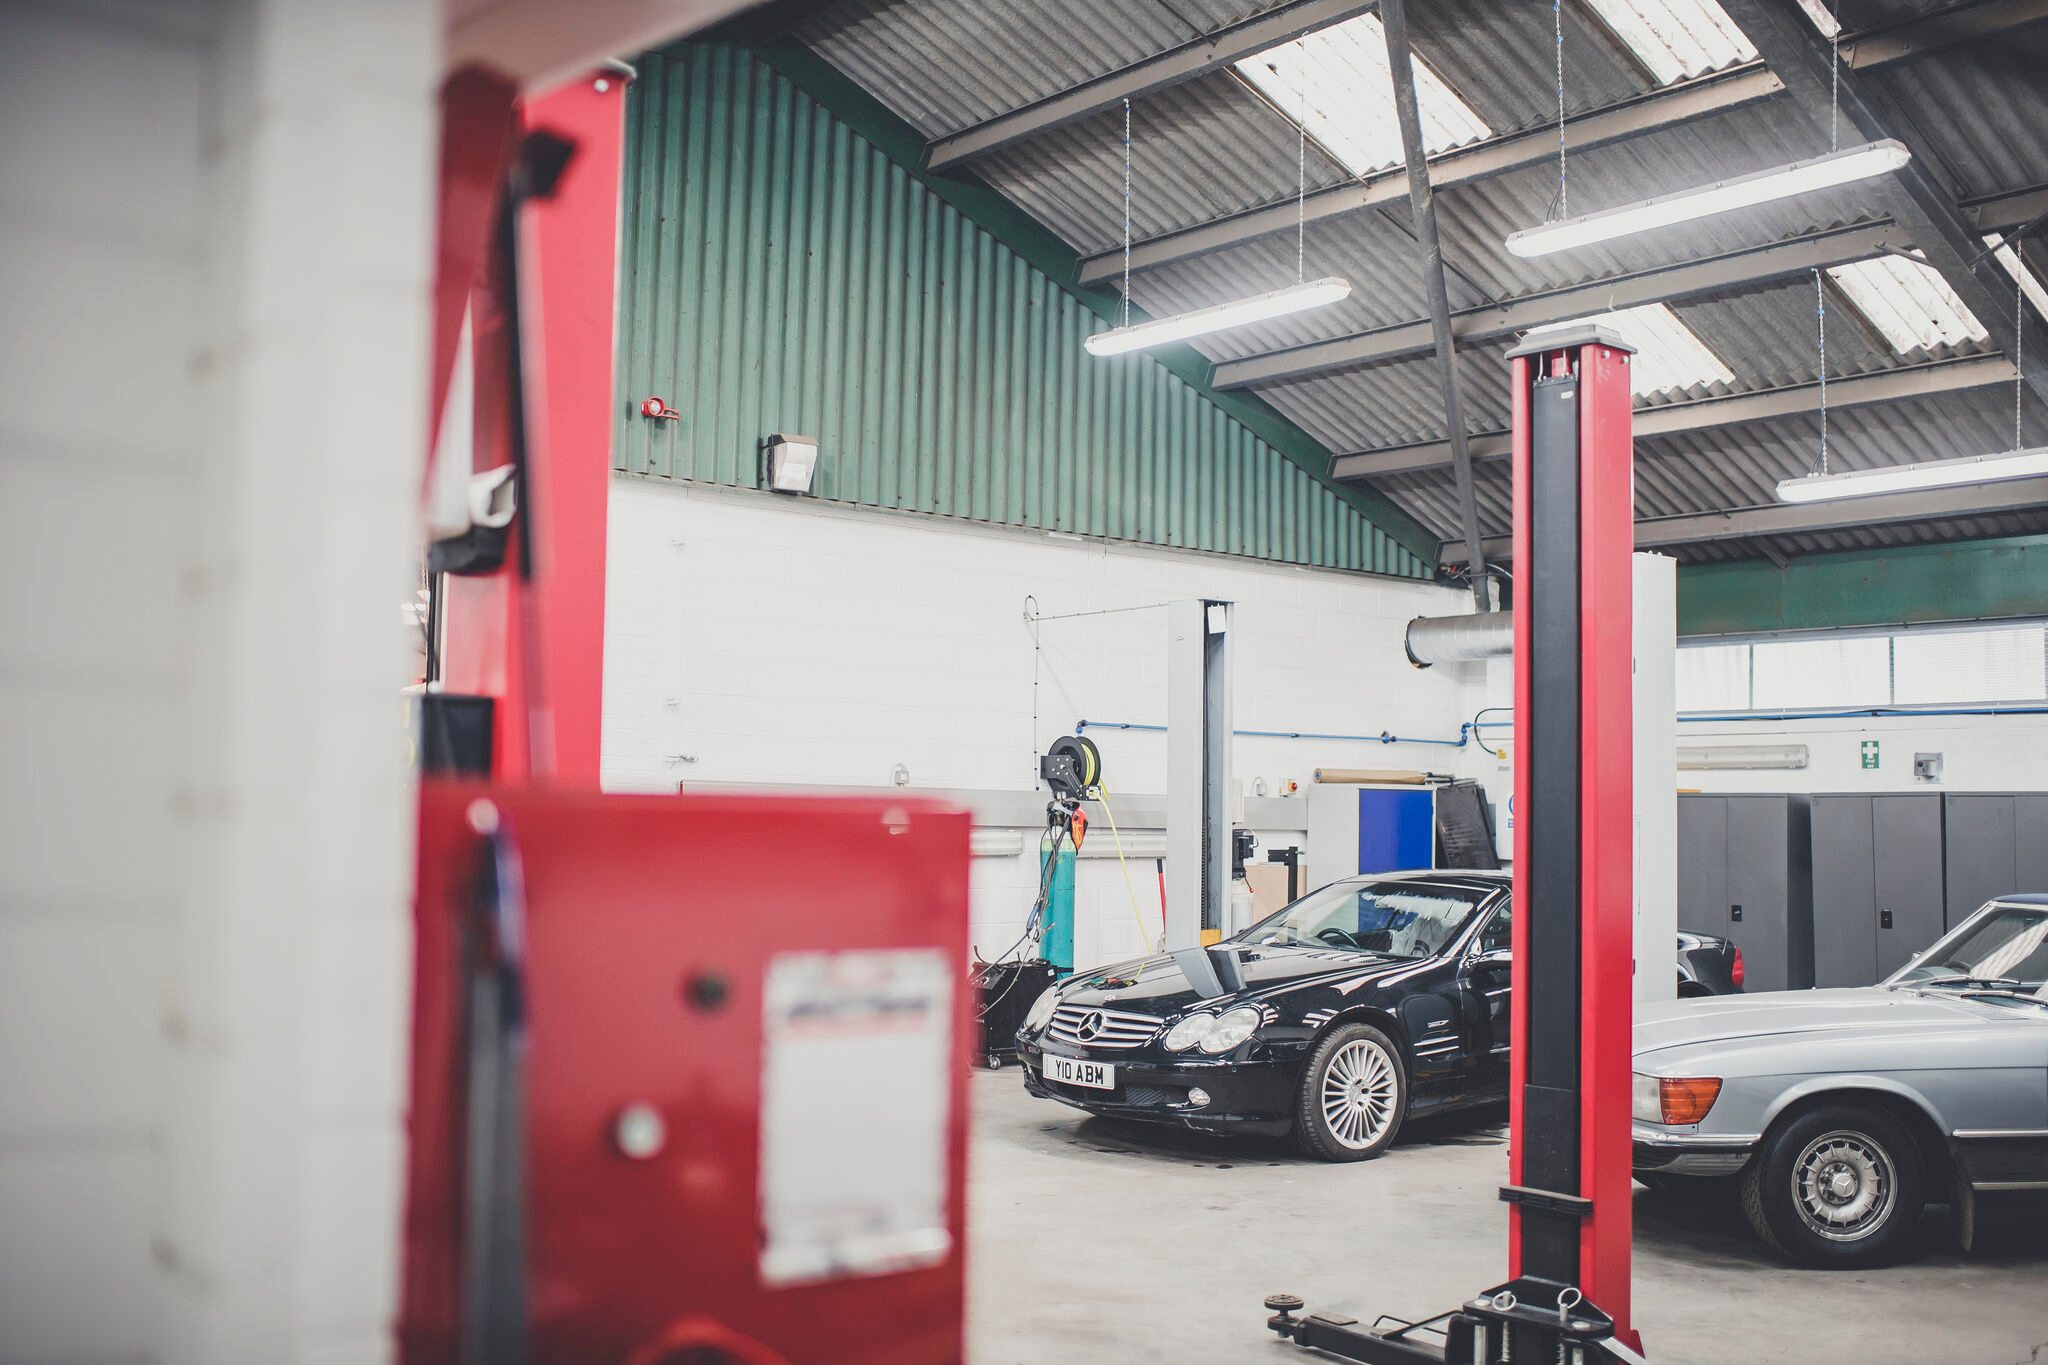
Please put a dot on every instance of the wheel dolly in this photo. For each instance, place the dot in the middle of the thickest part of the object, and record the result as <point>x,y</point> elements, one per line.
<point>1569,1220</point>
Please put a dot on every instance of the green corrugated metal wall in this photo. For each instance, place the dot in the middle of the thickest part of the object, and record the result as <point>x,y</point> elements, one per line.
<point>782,274</point>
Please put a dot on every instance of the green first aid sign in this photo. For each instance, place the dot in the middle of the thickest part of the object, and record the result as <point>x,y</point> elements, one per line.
<point>1870,753</point>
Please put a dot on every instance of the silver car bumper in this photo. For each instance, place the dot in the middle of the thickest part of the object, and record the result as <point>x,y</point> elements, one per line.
<point>1664,1151</point>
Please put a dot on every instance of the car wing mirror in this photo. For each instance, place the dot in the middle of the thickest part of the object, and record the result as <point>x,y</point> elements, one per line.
<point>1491,957</point>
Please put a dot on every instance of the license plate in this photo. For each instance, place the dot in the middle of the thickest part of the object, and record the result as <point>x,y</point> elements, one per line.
<point>1073,1071</point>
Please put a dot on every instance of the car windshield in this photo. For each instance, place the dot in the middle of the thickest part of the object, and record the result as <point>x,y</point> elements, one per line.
<point>2001,949</point>
<point>1404,919</point>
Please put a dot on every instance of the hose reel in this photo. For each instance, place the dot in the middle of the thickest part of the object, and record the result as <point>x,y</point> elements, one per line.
<point>1071,766</point>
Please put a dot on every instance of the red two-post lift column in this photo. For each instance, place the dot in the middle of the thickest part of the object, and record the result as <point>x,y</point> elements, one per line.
<point>1570,1220</point>
<point>1567,1298</point>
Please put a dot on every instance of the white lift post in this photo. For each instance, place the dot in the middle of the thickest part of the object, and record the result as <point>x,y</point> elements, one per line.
<point>1198,730</point>
<point>1656,775</point>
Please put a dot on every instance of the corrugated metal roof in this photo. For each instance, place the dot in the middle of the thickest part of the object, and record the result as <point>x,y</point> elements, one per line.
<point>1199,149</point>
<point>945,66</point>
<point>1213,146</point>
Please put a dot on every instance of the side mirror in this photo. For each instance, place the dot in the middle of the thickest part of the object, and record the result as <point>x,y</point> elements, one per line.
<point>1490,958</point>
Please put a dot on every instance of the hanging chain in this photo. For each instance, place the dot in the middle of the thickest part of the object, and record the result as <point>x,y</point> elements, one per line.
<point>1835,67</point>
<point>1301,204</point>
<point>1820,311</point>
<point>1564,201</point>
<point>2019,335</point>
<point>1127,213</point>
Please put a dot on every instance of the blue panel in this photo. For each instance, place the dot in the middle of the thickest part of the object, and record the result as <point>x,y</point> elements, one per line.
<point>1396,830</point>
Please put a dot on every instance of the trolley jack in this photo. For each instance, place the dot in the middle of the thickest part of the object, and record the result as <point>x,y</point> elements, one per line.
<point>1527,1319</point>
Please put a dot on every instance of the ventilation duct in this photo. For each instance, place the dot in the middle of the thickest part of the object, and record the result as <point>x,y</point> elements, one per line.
<point>1460,639</point>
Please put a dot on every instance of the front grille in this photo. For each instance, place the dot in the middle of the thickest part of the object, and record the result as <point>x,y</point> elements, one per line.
<point>1092,1026</point>
<point>1153,1095</point>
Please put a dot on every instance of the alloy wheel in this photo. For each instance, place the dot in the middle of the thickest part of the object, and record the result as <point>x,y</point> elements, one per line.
<point>1358,1093</point>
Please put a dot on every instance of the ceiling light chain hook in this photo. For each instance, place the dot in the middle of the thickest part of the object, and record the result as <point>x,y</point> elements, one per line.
<point>2019,337</point>
<point>1820,312</point>
<point>1564,202</point>
<point>1301,204</point>
<point>1127,212</point>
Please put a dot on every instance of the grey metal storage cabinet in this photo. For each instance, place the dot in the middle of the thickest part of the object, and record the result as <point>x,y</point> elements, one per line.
<point>1997,844</point>
<point>1745,872</point>
<point>1877,884</point>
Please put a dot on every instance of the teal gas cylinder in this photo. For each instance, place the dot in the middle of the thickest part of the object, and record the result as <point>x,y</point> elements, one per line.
<point>1058,943</point>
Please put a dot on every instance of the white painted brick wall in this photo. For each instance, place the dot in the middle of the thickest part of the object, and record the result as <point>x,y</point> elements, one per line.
<point>781,641</point>
<point>214,238</point>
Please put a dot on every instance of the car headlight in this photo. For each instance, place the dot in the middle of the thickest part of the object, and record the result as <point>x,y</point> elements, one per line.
<point>1042,1008</point>
<point>1673,1099</point>
<point>1189,1031</point>
<point>1232,1028</point>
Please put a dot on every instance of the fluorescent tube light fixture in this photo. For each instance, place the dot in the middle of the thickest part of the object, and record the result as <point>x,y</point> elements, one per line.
<point>1904,478</point>
<point>1723,196</point>
<point>1295,298</point>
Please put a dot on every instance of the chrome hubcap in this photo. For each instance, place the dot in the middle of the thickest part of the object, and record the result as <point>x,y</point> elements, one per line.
<point>1359,1093</point>
<point>1843,1186</point>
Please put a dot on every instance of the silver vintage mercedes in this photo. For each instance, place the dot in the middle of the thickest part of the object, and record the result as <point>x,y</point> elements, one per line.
<point>1842,1113</point>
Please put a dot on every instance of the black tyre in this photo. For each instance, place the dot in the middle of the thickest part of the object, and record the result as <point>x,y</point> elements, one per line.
<point>1353,1096</point>
<point>1839,1187</point>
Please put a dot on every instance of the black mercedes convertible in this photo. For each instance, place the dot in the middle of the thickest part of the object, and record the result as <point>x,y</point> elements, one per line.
<point>1335,1019</point>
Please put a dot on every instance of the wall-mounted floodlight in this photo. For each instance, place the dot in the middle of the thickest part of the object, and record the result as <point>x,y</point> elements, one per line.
<point>791,461</point>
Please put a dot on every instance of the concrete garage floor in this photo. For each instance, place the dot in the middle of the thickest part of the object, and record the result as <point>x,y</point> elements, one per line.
<point>1100,1241</point>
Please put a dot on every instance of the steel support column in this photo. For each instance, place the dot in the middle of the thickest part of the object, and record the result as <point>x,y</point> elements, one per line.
<point>1430,248</point>
<point>1198,730</point>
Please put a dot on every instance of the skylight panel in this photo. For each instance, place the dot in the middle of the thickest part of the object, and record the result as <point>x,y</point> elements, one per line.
<point>1669,357</point>
<point>1908,302</point>
<point>1336,84</point>
<point>2029,282</point>
<point>1676,38</point>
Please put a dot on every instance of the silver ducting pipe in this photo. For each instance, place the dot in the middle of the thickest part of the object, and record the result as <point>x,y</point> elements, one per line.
<point>1460,639</point>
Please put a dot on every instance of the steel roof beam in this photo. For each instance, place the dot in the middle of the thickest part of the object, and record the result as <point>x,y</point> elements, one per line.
<point>1429,249</point>
<point>1916,199</point>
<point>1210,52</point>
<point>1800,518</point>
<point>1996,212</point>
<point>1680,102</point>
<point>1698,414</point>
<point>1510,316</point>
<point>1965,23</point>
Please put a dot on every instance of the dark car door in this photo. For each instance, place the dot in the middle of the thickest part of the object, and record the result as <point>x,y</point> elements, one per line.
<point>1487,977</point>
